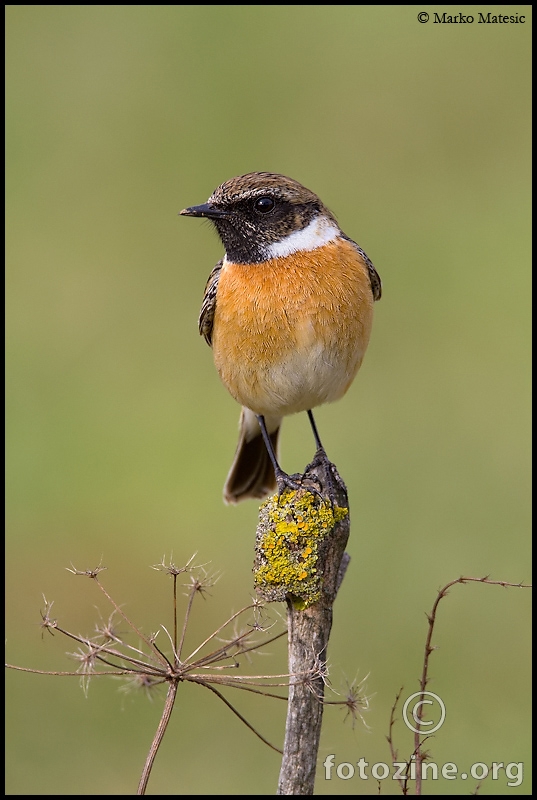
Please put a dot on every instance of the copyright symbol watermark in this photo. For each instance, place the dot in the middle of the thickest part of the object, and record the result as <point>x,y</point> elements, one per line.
<point>412,712</point>
<point>423,16</point>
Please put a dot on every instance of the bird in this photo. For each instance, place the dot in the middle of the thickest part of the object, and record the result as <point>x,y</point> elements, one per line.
<point>288,313</point>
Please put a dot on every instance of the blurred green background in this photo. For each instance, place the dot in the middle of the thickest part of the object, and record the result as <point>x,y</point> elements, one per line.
<point>120,435</point>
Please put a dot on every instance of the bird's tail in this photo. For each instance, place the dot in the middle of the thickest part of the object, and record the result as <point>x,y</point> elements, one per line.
<point>252,473</point>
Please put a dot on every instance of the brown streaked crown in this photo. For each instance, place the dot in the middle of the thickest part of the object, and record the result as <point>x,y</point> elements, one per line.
<point>253,211</point>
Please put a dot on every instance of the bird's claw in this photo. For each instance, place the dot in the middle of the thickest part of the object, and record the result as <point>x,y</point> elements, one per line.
<point>285,481</point>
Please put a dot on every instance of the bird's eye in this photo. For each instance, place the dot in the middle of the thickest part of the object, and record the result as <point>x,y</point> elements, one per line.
<point>264,205</point>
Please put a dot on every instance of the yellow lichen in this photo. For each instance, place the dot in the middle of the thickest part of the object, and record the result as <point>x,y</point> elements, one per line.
<point>298,525</point>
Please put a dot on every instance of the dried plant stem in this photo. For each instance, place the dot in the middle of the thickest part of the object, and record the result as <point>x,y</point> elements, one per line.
<point>403,782</point>
<point>147,666</point>
<point>424,680</point>
<point>242,719</point>
<point>159,735</point>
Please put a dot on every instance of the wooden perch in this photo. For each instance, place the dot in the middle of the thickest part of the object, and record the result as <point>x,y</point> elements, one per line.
<point>301,559</point>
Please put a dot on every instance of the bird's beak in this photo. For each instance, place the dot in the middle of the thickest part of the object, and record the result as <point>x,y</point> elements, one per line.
<point>205,210</point>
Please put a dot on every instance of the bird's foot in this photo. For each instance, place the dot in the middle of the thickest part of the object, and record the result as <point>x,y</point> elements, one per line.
<point>295,482</point>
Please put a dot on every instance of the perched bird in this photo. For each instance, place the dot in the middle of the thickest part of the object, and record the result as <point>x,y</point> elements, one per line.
<point>287,311</point>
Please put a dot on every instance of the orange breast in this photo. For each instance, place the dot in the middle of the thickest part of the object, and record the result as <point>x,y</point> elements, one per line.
<point>291,333</point>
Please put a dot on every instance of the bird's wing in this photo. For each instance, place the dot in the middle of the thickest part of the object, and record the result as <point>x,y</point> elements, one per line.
<point>208,306</point>
<point>374,277</point>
